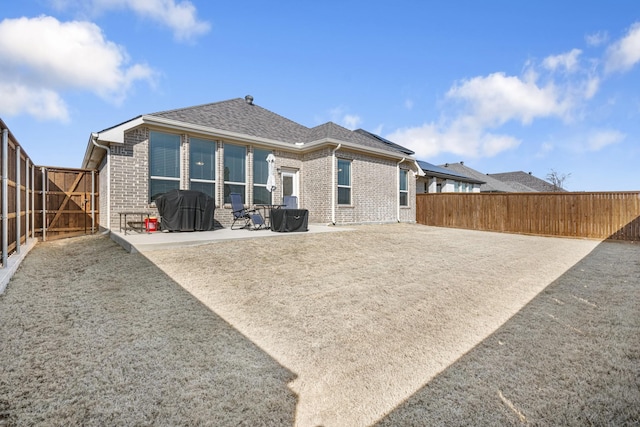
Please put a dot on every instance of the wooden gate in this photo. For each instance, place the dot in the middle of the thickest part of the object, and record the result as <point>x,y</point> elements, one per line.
<point>65,202</point>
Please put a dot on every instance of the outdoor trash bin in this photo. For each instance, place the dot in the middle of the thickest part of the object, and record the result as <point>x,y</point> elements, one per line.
<point>284,220</point>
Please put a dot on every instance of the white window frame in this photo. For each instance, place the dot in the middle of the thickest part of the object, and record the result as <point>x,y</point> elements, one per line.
<point>350,186</point>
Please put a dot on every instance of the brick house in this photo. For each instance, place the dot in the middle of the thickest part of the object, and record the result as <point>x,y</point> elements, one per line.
<point>340,176</point>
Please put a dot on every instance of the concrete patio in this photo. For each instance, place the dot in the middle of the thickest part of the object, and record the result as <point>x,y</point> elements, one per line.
<point>143,242</point>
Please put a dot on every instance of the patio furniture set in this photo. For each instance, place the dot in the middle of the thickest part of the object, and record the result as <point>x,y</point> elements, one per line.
<point>188,210</point>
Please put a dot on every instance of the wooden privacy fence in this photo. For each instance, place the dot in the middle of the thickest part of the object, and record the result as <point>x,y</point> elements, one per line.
<point>66,202</point>
<point>42,202</point>
<point>610,215</point>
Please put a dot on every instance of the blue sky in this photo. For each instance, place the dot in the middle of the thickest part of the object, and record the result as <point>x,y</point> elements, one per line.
<point>501,85</point>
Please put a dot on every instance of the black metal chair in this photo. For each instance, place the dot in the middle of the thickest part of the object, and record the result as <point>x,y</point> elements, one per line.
<point>247,217</point>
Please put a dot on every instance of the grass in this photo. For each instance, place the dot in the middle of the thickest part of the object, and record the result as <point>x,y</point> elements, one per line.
<point>494,330</point>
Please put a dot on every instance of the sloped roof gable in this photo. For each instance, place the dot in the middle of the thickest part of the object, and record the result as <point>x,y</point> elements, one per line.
<point>527,179</point>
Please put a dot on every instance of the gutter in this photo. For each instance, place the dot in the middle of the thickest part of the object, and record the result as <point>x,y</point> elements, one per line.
<point>94,140</point>
<point>333,184</point>
<point>398,188</point>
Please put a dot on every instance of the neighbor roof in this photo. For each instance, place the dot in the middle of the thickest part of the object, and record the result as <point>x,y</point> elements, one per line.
<point>527,179</point>
<point>491,185</point>
<point>433,170</point>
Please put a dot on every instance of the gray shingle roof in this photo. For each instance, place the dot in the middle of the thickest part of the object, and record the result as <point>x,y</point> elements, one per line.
<point>527,179</point>
<point>441,172</point>
<point>491,184</point>
<point>239,116</point>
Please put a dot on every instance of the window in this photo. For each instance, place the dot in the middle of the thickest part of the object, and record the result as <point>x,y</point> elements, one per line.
<point>404,187</point>
<point>234,171</point>
<point>202,166</point>
<point>164,163</point>
<point>344,182</point>
<point>260,175</point>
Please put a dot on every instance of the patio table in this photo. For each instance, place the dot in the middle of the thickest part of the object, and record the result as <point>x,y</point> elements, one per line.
<point>266,208</point>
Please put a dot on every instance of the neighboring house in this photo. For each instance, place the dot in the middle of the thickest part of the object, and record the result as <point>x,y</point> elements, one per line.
<point>436,179</point>
<point>526,179</point>
<point>491,184</point>
<point>340,176</point>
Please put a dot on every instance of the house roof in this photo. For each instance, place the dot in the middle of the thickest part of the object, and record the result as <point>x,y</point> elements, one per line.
<point>491,185</point>
<point>241,118</point>
<point>433,170</point>
<point>386,141</point>
<point>527,179</point>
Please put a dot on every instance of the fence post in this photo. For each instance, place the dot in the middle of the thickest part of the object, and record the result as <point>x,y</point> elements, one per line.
<point>5,199</point>
<point>18,207</point>
<point>93,201</point>
<point>33,201</point>
<point>27,182</point>
<point>44,204</point>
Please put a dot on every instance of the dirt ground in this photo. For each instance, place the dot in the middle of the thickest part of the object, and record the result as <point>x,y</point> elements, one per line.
<point>389,325</point>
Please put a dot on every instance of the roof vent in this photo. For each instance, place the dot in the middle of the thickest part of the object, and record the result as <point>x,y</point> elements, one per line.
<point>249,99</point>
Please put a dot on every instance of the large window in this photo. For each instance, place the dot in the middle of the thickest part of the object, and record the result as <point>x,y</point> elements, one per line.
<point>260,176</point>
<point>234,171</point>
<point>202,166</point>
<point>164,163</point>
<point>404,187</point>
<point>344,182</point>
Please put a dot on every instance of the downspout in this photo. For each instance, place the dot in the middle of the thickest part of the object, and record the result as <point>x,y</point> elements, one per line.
<point>333,184</point>
<point>94,140</point>
<point>398,188</point>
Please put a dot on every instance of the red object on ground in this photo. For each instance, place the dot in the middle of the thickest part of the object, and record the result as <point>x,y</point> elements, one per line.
<point>151,224</point>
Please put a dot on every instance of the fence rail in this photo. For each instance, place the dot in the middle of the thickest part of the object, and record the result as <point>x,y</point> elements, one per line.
<point>601,215</point>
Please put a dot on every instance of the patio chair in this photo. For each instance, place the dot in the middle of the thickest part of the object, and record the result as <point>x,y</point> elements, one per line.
<point>290,202</point>
<point>249,218</point>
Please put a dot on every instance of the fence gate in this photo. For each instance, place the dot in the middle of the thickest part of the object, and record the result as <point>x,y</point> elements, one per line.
<point>65,202</point>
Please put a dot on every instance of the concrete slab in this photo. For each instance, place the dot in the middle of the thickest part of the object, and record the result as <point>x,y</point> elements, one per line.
<point>144,242</point>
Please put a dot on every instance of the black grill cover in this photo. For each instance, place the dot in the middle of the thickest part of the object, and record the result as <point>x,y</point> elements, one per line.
<point>289,219</point>
<point>185,210</point>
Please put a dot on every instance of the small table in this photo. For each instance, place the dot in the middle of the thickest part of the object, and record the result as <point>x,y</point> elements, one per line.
<point>134,225</point>
<point>266,208</point>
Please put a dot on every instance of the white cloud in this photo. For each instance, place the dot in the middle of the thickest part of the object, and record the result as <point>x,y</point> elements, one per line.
<point>498,98</point>
<point>567,61</point>
<point>597,39</point>
<point>351,121</point>
<point>45,56</point>
<point>181,17</point>
<point>462,138</point>
<point>601,139</point>
<point>340,116</point>
<point>41,103</point>
<point>624,53</point>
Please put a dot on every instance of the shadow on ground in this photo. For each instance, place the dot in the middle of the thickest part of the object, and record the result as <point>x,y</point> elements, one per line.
<point>80,347</point>
<point>569,357</point>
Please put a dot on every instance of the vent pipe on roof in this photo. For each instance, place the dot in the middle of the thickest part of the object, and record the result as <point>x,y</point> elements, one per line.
<point>249,99</point>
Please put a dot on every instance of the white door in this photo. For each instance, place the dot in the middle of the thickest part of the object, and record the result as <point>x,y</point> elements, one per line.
<point>290,183</point>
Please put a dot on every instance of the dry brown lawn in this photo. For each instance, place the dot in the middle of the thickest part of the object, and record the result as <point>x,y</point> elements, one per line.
<point>389,325</point>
